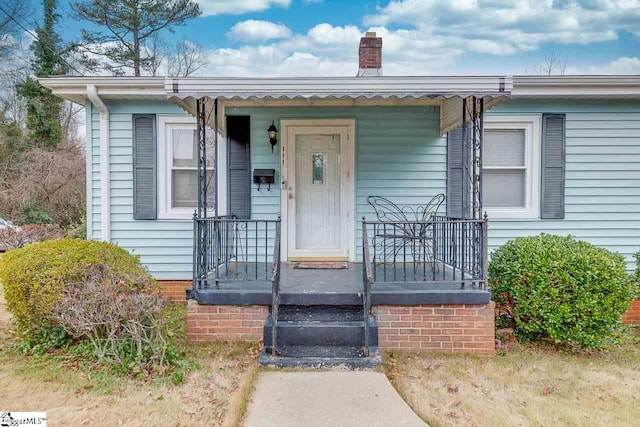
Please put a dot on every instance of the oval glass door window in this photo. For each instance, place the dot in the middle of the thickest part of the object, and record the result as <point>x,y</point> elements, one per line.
<point>318,169</point>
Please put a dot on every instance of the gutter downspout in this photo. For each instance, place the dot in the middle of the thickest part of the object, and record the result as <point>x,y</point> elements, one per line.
<point>105,178</point>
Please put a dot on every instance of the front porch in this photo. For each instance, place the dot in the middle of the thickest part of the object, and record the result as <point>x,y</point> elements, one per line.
<point>416,275</point>
<point>336,287</point>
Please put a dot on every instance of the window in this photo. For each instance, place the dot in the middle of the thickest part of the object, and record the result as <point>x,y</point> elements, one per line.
<point>318,168</point>
<point>511,166</point>
<point>178,171</point>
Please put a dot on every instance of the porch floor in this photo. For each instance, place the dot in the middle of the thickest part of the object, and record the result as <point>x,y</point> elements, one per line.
<point>332,287</point>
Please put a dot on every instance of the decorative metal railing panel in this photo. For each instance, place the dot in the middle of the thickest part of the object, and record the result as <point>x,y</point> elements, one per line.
<point>443,250</point>
<point>235,249</point>
<point>472,134</point>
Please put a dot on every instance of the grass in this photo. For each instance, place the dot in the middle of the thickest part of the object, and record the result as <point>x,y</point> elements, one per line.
<point>529,385</point>
<point>76,391</point>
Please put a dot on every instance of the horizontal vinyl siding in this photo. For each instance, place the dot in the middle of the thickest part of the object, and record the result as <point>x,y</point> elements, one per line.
<point>399,155</point>
<point>164,246</point>
<point>602,200</point>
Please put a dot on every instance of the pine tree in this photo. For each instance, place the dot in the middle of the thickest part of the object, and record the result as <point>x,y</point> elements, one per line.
<point>43,108</point>
<point>127,25</point>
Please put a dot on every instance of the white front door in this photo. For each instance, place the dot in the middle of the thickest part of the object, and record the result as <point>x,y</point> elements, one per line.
<point>318,193</point>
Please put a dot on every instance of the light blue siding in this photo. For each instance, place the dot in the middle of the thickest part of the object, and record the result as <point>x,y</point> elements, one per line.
<point>164,246</point>
<point>602,200</point>
<point>399,155</point>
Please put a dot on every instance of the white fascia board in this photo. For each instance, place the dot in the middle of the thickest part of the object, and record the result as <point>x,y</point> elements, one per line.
<point>625,87</point>
<point>75,88</point>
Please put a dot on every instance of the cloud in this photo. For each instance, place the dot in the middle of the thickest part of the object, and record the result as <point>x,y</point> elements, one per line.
<point>422,37</point>
<point>253,30</point>
<point>624,66</point>
<point>237,7</point>
<point>327,50</point>
<point>507,27</point>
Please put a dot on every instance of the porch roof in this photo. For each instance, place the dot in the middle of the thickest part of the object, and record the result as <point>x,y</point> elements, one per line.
<point>448,92</point>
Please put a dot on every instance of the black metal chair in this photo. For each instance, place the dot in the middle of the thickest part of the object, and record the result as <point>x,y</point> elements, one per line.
<point>405,228</point>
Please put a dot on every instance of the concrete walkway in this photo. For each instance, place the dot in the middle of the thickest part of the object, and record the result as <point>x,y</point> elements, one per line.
<point>328,398</point>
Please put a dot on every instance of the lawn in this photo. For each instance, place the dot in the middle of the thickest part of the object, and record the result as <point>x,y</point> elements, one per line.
<point>74,393</point>
<point>530,385</point>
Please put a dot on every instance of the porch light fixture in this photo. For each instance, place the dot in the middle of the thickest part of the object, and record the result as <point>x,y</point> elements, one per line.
<point>273,135</point>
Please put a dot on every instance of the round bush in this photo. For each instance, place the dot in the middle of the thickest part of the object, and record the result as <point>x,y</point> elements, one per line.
<point>562,289</point>
<point>35,276</point>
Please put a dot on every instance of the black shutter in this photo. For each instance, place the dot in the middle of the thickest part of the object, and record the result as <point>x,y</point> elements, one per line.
<point>553,166</point>
<point>456,184</point>
<point>145,193</point>
<point>239,165</point>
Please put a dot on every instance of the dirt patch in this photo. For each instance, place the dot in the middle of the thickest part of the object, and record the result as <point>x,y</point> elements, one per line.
<point>527,386</point>
<point>213,395</point>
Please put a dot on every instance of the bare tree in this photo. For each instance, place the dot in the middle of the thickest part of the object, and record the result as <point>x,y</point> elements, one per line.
<point>156,50</point>
<point>70,120</point>
<point>12,11</point>
<point>13,107</point>
<point>186,59</point>
<point>553,65</point>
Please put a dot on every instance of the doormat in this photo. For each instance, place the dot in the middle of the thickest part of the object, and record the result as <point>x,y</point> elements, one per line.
<point>321,265</point>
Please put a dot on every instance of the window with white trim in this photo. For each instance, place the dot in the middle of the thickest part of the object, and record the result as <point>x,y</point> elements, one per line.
<point>178,171</point>
<point>511,166</point>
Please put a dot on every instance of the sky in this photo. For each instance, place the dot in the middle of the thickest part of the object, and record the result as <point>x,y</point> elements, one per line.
<point>420,37</point>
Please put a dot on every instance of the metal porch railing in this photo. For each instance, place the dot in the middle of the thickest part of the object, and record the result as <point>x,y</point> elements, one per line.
<point>441,250</point>
<point>367,279</point>
<point>227,248</point>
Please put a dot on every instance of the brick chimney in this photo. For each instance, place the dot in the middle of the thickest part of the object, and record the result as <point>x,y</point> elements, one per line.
<point>370,54</point>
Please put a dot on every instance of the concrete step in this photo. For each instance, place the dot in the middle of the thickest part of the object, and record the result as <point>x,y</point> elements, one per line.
<point>321,332</point>
<point>321,357</point>
<point>320,313</point>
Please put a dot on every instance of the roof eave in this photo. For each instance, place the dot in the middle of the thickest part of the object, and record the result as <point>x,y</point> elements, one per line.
<point>585,87</point>
<point>75,88</point>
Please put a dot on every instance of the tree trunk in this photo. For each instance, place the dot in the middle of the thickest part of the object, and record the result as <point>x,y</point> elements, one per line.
<point>136,53</point>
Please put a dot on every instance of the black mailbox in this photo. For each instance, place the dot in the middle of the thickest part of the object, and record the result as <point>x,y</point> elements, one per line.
<point>264,176</point>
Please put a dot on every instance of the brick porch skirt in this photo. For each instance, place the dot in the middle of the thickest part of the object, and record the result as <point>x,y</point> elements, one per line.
<point>440,328</point>
<point>225,322</point>
<point>632,316</point>
<point>174,290</point>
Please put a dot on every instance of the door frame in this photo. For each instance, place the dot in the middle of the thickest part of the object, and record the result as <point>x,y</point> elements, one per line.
<point>347,183</point>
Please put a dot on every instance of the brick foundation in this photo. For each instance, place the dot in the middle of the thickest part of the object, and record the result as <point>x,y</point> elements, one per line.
<point>441,328</point>
<point>174,290</point>
<point>225,322</point>
<point>632,316</point>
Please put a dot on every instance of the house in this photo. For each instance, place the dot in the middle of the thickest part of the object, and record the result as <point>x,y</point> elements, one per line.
<point>399,186</point>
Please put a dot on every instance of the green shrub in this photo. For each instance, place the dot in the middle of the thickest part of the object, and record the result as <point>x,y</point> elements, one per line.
<point>78,230</point>
<point>562,289</point>
<point>636,274</point>
<point>35,276</point>
<point>33,211</point>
